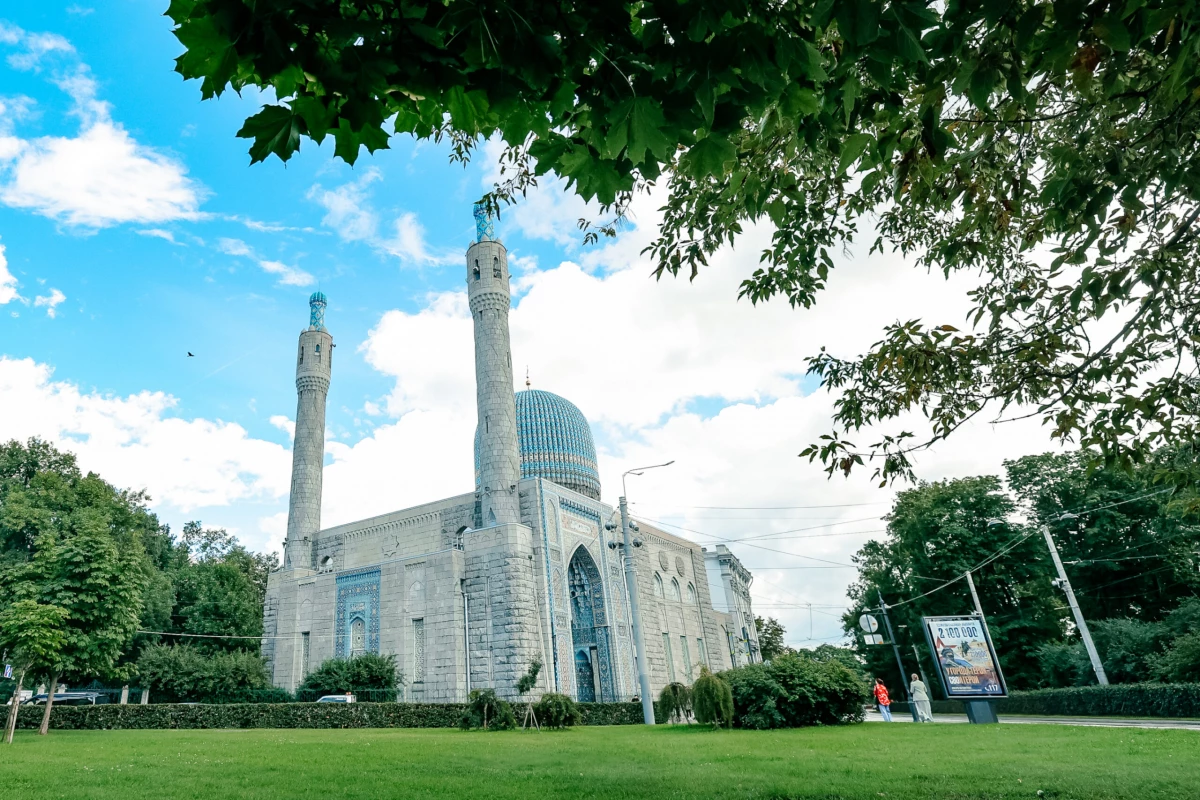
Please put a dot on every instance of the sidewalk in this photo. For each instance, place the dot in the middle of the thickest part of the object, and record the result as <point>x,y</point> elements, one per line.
<point>1097,722</point>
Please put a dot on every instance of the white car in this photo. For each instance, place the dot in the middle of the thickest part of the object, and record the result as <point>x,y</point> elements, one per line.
<point>338,698</point>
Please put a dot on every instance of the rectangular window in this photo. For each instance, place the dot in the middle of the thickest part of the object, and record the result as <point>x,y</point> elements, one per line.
<point>304,654</point>
<point>702,652</point>
<point>418,626</point>
<point>670,658</point>
<point>687,658</point>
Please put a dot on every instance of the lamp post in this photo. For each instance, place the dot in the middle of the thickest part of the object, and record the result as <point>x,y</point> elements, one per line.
<point>639,643</point>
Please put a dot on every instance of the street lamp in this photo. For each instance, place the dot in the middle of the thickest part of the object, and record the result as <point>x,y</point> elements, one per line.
<point>631,586</point>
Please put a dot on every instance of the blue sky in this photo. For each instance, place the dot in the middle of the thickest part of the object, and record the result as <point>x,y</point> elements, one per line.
<point>134,230</point>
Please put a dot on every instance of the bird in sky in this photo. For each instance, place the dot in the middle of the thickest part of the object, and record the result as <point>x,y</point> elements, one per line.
<point>190,355</point>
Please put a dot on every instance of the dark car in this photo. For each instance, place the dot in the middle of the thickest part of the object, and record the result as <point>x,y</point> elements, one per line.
<point>70,699</point>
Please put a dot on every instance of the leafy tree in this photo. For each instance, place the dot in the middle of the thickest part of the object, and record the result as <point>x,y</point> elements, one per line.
<point>361,673</point>
<point>770,637</point>
<point>1045,148</point>
<point>185,673</point>
<point>557,711</point>
<point>74,542</point>
<point>936,532</point>
<point>486,711</point>
<point>675,701</point>
<point>31,634</point>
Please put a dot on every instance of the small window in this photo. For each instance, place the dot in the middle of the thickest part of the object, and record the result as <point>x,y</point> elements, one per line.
<point>475,272</point>
<point>301,355</point>
<point>658,585</point>
<point>496,268</point>
<point>670,657</point>
<point>691,594</point>
<point>674,590</point>
<point>358,638</point>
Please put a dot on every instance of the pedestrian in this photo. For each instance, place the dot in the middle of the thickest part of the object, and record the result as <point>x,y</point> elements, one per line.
<point>920,696</point>
<point>885,702</point>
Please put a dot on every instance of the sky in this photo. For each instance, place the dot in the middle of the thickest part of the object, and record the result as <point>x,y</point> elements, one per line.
<point>134,231</point>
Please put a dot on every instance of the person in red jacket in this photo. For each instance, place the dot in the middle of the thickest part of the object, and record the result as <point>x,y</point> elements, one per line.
<point>885,702</point>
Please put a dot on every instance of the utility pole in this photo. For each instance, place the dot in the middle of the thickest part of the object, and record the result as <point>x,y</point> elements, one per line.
<point>1086,634</point>
<point>887,621</point>
<point>974,595</point>
<point>635,610</point>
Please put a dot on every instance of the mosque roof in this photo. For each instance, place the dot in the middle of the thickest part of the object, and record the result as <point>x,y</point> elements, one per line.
<point>555,441</point>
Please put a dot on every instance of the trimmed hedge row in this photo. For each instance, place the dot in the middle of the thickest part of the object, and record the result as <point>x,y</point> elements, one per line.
<point>286,715</point>
<point>1122,700</point>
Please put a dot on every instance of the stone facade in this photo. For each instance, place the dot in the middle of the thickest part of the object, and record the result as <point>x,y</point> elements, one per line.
<point>729,586</point>
<point>467,591</point>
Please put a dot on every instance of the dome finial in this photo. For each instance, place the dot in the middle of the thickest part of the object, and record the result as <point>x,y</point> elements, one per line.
<point>527,383</point>
<point>484,229</point>
<point>316,306</point>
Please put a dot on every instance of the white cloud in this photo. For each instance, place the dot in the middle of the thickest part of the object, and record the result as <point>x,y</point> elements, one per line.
<point>284,424</point>
<point>159,233</point>
<point>8,282</point>
<point>50,302</point>
<point>79,11</point>
<point>97,178</point>
<point>134,441</point>
<point>288,276</point>
<point>349,213</point>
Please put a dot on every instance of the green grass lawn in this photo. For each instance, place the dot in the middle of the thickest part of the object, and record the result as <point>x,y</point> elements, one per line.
<point>861,761</point>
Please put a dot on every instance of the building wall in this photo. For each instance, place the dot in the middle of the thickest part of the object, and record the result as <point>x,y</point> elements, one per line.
<point>405,574</point>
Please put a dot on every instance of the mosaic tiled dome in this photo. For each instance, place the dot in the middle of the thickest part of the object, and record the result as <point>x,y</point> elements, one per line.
<point>555,441</point>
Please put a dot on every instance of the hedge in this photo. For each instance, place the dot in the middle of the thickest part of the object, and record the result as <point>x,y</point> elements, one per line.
<point>287,715</point>
<point>1123,700</point>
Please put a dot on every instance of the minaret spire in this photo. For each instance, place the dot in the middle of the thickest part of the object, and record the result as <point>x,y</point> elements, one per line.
<point>488,292</point>
<point>314,362</point>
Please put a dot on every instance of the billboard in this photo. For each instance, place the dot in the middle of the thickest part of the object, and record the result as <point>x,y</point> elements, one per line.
<point>965,658</point>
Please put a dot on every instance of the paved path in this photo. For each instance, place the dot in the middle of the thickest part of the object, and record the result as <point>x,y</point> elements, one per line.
<point>1096,722</point>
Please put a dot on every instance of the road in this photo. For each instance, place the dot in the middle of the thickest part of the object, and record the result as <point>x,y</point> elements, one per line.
<point>1095,722</point>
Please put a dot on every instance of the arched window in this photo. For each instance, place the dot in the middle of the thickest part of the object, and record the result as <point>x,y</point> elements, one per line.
<point>475,272</point>
<point>358,638</point>
<point>495,267</point>
<point>658,585</point>
<point>691,594</point>
<point>674,590</point>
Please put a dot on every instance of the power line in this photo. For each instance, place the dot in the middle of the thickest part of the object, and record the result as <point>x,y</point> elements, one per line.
<point>785,508</point>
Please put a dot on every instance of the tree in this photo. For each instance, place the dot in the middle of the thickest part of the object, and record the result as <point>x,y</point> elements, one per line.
<point>1046,148</point>
<point>712,700</point>
<point>75,542</point>
<point>936,532</point>
<point>368,672</point>
<point>770,638</point>
<point>186,673</point>
<point>32,635</point>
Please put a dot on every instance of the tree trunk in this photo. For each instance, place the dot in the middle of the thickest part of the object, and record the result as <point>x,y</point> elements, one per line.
<point>10,724</point>
<point>42,731</point>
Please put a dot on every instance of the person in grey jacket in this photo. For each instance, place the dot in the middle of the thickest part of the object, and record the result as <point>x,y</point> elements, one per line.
<point>920,697</point>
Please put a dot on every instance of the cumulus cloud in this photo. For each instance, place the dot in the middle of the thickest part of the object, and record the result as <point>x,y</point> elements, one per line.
<point>8,282</point>
<point>99,177</point>
<point>50,302</point>
<point>135,442</point>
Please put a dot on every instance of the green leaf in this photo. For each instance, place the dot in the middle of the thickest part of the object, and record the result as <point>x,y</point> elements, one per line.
<point>983,81</point>
<point>852,148</point>
<point>467,109</point>
<point>645,131</point>
<point>858,21</point>
<point>709,157</point>
<point>1113,32</point>
<point>274,129</point>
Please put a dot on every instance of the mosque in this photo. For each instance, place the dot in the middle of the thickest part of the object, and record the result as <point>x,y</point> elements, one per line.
<point>467,591</point>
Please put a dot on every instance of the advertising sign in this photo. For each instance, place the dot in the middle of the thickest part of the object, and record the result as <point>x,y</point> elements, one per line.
<point>965,657</point>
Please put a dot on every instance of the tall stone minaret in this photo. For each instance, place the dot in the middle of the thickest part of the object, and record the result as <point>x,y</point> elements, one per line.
<point>313,363</point>
<point>499,458</point>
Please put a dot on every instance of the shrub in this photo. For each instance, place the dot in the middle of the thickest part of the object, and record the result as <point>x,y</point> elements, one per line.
<point>611,713</point>
<point>183,673</point>
<point>1181,662</point>
<point>366,673</point>
<point>795,690</point>
<point>487,711</point>
<point>712,700</point>
<point>676,702</point>
<point>557,711</point>
<point>756,697</point>
<point>1123,700</point>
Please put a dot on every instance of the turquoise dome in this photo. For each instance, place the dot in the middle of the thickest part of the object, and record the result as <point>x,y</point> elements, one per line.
<point>555,442</point>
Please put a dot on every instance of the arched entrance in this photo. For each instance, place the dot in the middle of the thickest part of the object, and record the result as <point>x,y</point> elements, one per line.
<point>589,630</point>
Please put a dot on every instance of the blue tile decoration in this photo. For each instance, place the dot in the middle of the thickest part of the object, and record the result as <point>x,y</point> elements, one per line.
<point>357,599</point>
<point>555,442</point>
<point>587,628</point>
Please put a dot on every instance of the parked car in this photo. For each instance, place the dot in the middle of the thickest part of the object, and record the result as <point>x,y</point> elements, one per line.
<point>70,699</point>
<point>338,698</point>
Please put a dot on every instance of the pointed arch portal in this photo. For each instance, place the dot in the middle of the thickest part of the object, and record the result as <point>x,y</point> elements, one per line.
<point>589,630</point>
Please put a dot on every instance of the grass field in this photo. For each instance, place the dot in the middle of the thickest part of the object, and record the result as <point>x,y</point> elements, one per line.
<point>861,761</point>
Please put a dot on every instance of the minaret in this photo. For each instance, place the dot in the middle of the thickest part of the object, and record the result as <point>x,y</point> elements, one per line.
<point>499,458</point>
<point>313,363</point>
